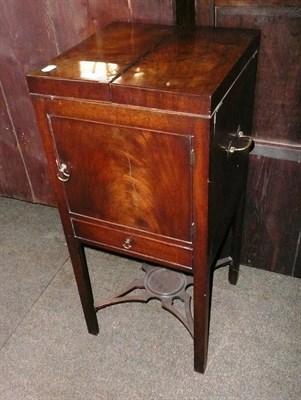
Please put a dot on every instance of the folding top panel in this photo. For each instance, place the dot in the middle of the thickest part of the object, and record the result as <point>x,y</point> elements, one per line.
<point>191,72</point>
<point>86,70</point>
<point>134,64</point>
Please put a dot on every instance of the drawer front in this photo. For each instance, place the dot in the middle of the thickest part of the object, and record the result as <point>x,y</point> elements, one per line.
<point>134,244</point>
<point>126,176</point>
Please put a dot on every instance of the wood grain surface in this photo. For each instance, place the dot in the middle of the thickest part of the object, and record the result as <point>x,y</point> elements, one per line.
<point>32,33</point>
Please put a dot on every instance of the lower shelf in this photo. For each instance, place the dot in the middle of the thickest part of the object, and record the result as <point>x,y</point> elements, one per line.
<point>160,284</point>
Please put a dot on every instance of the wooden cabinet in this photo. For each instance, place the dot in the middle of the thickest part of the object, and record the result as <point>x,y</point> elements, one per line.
<point>146,130</point>
<point>131,181</point>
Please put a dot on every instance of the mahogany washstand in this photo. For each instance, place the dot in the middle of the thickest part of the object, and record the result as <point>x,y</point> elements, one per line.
<point>147,129</point>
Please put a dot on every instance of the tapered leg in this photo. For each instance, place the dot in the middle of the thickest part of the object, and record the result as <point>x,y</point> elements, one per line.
<point>237,230</point>
<point>82,278</point>
<point>201,311</point>
<point>200,343</point>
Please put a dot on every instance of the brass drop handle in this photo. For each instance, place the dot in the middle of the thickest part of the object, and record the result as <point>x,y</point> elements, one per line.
<point>233,149</point>
<point>127,244</point>
<point>63,173</point>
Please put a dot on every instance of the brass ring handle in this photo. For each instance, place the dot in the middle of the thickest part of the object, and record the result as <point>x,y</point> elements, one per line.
<point>127,244</point>
<point>233,149</point>
<point>63,174</point>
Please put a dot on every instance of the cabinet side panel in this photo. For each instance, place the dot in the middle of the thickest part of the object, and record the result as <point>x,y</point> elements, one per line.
<point>273,205</point>
<point>229,170</point>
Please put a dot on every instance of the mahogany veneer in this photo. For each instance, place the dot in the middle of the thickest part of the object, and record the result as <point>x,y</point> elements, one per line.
<point>146,133</point>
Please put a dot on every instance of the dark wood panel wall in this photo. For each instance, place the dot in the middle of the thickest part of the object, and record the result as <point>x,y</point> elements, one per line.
<point>33,31</point>
<point>272,234</point>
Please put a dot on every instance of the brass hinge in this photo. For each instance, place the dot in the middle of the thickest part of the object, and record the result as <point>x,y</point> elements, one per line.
<point>192,157</point>
<point>192,231</point>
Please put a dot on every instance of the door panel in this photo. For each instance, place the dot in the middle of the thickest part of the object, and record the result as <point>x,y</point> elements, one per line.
<point>133,177</point>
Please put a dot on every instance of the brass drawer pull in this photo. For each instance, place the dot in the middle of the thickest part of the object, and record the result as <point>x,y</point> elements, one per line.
<point>127,244</point>
<point>63,174</point>
<point>233,149</point>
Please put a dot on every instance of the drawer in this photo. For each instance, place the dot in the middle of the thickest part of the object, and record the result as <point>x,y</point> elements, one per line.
<point>134,244</point>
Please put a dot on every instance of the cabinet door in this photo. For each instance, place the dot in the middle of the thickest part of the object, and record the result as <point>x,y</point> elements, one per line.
<point>126,176</point>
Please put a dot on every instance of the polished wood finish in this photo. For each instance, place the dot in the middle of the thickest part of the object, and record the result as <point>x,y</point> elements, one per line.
<point>80,73</point>
<point>33,33</point>
<point>124,180</point>
<point>198,53</point>
<point>154,165</point>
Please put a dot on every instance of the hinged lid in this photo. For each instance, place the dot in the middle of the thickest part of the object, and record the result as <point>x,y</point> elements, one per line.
<point>86,70</point>
<point>151,66</point>
<point>190,73</point>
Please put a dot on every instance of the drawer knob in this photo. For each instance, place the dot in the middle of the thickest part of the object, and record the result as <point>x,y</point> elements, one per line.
<point>63,173</point>
<point>127,244</point>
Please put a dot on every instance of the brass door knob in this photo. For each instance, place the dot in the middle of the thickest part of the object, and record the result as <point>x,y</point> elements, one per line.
<point>63,173</point>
